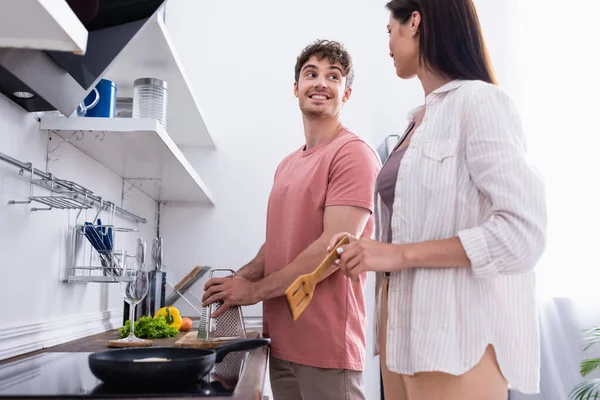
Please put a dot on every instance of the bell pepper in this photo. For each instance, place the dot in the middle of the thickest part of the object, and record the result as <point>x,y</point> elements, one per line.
<point>172,316</point>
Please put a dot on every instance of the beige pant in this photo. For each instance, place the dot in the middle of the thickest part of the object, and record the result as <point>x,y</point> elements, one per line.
<point>291,381</point>
<point>484,381</point>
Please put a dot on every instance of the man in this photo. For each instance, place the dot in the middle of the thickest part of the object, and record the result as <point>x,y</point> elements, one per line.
<point>323,188</point>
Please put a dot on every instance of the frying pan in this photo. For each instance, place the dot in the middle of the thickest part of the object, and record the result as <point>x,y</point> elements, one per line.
<point>117,367</point>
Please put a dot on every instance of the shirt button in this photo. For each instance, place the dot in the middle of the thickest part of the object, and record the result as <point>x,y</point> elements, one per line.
<point>400,177</point>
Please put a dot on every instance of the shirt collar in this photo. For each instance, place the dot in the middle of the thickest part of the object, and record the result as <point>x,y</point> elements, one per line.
<point>448,87</point>
<point>452,85</point>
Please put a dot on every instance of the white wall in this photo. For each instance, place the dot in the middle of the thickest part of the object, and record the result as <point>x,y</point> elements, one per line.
<point>240,58</point>
<point>41,310</point>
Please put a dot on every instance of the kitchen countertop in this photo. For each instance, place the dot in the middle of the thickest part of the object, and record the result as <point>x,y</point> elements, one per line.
<point>249,387</point>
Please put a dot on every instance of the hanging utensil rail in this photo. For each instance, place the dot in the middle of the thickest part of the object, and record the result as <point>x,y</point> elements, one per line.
<point>70,187</point>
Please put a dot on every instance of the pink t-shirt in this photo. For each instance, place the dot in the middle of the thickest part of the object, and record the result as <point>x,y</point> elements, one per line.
<point>331,331</point>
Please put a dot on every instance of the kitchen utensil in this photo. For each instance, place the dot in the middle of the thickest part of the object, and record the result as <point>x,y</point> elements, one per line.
<point>203,325</point>
<point>230,324</point>
<point>126,366</point>
<point>191,340</point>
<point>160,254</point>
<point>153,299</point>
<point>101,102</point>
<point>156,263</point>
<point>121,343</point>
<point>150,99</point>
<point>183,285</point>
<point>134,287</point>
<point>140,254</point>
<point>300,293</point>
<point>95,237</point>
<point>106,234</point>
<point>146,306</point>
<point>88,103</point>
<point>228,372</point>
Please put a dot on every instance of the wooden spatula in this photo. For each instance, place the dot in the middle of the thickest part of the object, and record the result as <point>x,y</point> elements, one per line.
<point>300,293</point>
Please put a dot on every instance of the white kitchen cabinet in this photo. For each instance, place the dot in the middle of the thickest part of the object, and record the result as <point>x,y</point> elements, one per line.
<point>41,25</point>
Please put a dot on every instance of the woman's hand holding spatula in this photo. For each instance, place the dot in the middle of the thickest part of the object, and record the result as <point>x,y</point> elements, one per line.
<point>362,255</point>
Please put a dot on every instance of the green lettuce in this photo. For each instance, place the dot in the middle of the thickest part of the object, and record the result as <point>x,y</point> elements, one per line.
<point>149,328</point>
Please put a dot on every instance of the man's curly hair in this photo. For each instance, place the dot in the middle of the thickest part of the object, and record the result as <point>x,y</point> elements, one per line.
<point>334,51</point>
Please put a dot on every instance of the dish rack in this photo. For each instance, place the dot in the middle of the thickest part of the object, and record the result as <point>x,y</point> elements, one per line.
<point>87,261</point>
<point>93,256</point>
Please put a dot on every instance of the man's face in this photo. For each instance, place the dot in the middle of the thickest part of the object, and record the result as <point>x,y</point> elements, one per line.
<point>321,88</point>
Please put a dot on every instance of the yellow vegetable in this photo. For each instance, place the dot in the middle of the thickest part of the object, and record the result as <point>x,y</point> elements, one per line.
<point>172,316</point>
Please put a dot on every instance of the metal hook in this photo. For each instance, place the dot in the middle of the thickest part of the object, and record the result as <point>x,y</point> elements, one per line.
<point>31,178</point>
<point>77,217</point>
<point>31,169</point>
<point>112,214</point>
<point>85,200</point>
<point>100,133</point>
<point>99,211</point>
<point>41,209</point>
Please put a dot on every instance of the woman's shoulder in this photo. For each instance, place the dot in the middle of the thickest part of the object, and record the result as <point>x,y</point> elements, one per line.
<point>485,104</point>
<point>476,91</point>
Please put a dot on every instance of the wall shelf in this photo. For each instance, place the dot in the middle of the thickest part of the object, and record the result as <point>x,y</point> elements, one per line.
<point>151,54</point>
<point>41,25</point>
<point>140,151</point>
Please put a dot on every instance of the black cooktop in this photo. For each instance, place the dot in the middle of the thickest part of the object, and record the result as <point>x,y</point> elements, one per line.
<point>67,375</point>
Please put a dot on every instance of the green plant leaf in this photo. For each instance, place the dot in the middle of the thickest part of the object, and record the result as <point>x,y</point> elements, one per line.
<point>593,337</point>
<point>588,366</point>
<point>588,390</point>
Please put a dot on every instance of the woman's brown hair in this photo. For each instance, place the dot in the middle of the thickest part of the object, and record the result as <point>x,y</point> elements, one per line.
<point>451,41</point>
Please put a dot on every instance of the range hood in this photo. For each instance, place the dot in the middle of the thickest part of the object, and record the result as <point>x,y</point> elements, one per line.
<point>61,80</point>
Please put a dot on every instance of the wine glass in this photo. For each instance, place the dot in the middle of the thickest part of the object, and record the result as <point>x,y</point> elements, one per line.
<point>134,287</point>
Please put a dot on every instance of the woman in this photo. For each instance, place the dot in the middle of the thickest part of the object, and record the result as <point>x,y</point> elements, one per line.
<point>461,222</point>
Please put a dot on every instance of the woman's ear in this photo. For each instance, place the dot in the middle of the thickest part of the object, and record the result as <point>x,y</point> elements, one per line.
<point>415,22</point>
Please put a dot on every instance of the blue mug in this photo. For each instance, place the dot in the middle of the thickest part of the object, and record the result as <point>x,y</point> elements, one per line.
<point>100,102</point>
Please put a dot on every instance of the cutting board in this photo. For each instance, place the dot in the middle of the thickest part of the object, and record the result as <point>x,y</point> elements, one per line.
<point>190,340</point>
<point>117,344</point>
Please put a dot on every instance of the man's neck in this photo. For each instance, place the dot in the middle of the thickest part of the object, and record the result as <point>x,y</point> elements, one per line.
<point>318,131</point>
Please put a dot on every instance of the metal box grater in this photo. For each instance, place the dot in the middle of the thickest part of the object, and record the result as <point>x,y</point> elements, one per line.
<point>227,326</point>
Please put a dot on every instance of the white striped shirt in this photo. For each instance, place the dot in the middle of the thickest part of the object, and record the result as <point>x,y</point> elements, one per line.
<point>465,174</point>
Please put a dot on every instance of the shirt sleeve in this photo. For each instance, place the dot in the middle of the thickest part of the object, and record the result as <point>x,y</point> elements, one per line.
<point>513,238</point>
<point>352,176</point>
